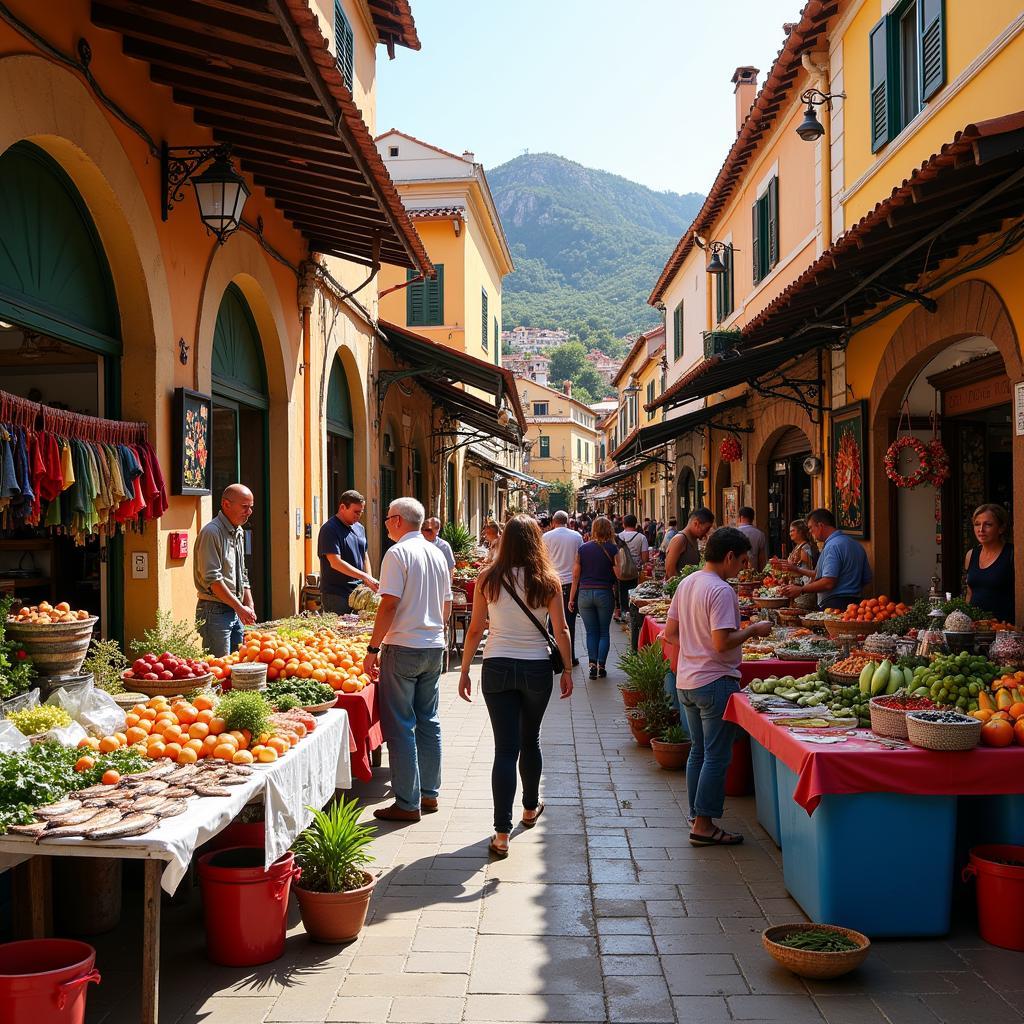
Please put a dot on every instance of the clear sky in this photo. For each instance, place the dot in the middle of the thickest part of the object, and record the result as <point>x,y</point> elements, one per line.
<point>640,88</point>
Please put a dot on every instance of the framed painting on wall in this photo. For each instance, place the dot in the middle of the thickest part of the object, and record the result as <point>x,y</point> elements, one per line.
<point>192,418</point>
<point>730,506</point>
<point>849,469</point>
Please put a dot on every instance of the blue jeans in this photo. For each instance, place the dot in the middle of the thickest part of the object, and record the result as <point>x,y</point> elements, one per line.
<point>673,695</point>
<point>409,695</point>
<point>595,608</point>
<point>219,627</point>
<point>516,693</point>
<point>711,741</point>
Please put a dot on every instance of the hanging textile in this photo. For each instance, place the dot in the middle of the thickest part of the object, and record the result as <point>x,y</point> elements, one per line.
<point>75,474</point>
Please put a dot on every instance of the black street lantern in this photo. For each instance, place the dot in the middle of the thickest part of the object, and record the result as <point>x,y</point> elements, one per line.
<point>220,190</point>
<point>715,264</point>
<point>810,128</point>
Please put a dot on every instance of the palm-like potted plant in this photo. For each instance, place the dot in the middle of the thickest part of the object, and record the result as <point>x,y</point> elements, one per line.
<point>335,890</point>
<point>671,748</point>
<point>645,674</point>
<point>650,718</point>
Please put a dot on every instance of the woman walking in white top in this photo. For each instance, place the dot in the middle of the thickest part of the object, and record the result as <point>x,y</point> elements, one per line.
<point>517,673</point>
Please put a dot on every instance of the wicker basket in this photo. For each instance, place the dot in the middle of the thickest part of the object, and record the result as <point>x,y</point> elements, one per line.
<point>840,627</point>
<point>770,602</point>
<point>790,616</point>
<point>842,679</point>
<point>249,675</point>
<point>168,687</point>
<point>809,964</point>
<point>943,735</point>
<point>56,648</point>
<point>889,722</point>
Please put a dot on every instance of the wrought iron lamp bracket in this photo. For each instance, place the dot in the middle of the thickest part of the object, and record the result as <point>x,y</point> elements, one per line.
<point>805,392</point>
<point>177,165</point>
<point>385,378</point>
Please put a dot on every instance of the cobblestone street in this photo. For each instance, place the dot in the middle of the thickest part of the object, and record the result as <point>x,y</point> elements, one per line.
<point>603,912</point>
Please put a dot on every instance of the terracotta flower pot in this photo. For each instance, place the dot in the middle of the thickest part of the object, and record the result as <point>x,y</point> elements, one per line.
<point>630,698</point>
<point>335,916</point>
<point>671,756</point>
<point>637,726</point>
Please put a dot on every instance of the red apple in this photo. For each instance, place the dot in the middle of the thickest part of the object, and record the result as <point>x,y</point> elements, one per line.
<point>151,677</point>
<point>166,675</point>
<point>141,666</point>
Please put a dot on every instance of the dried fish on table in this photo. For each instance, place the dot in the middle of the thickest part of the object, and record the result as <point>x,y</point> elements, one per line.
<point>177,793</point>
<point>100,820</point>
<point>57,809</point>
<point>100,789</point>
<point>32,830</point>
<point>169,808</point>
<point>132,825</point>
<point>151,788</point>
<point>208,789</point>
<point>83,814</point>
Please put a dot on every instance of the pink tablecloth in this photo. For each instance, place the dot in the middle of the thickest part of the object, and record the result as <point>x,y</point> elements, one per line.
<point>863,766</point>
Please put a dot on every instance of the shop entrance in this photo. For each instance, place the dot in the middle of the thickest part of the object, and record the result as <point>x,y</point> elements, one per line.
<point>239,441</point>
<point>789,487</point>
<point>687,495</point>
<point>388,486</point>
<point>340,434</point>
<point>59,346</point>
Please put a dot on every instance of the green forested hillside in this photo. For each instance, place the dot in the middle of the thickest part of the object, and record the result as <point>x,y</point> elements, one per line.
<point>588,245</point>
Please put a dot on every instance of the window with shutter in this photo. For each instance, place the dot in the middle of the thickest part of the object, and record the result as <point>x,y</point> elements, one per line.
<point>344,45</point>
<point>772,197</point>
<point>424,300</point>
<point>677,332</point>
<point>755,244</point>
<point>650,398</point>
<point>497,339</point>
<point>484,322</point>
<point>545,447</point>
<point>880,127</point>
<point>724,286</point>
<point>933,47</point>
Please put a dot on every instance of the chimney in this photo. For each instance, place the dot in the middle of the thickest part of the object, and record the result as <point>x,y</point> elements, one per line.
<point>469,155</point>
<point>745,81</point>
<point>567,388</point>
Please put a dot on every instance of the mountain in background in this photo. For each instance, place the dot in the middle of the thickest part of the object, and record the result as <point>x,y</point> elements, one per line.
<point>588,246</point>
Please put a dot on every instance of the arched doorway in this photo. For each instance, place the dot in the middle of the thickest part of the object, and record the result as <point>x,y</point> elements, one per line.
<point>723,479</point>
<point>790,494</point>
<point>340,437</point>
<point>687,490</point>
<point>388,480</point>
<point>60,344</point>
<point>239,441</point>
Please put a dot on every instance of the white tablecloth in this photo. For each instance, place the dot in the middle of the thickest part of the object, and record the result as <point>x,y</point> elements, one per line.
<point>307,775</point>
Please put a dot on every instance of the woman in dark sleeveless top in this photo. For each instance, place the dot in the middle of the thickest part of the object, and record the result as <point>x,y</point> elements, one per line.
<point>990,565</point>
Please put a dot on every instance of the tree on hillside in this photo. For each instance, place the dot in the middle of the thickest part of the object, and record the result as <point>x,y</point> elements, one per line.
<point>567,361</point>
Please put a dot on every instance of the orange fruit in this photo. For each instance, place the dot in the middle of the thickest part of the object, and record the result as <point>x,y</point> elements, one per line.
<point>266,755</point>
<point>173,751</point>
<point>216,726</point>
<point>196,746</point>
<point>149,715</point>
<point>85,763</point>
<point>205,716</point>
<point>279,744</point>
<point>238,737</point>
<point>997,732</point>
<point>131,719</point>
<point>198,731</point>
<point>187,756</point>
<point>209,745</point>
<point>224,751</point>
<point>242,757</point>
<point>187,714</point>
<point>173,732</point>
<point>1018,733</point>
<point>108,744</point>
<point>1016,710</point>
<point>111,777</point>
<point>156,749</point>
<point>136,735</point>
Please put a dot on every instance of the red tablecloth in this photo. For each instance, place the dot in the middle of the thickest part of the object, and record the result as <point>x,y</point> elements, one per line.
<point>862,766</point>
<point>651,630</point>
<point>364,725</point>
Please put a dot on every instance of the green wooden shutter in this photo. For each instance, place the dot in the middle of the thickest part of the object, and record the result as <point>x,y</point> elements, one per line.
<point>236,362</point>
<point>933,47</point>
<point>773,222</point>
<point>755,245</point>
<point>677,332</point>
<point>483,318</point>
<point>545,447</point>
<point>344,45</point>
<point>339,404</point>
<point>415,301</point>
<point>881,106</point>
<point>434,290</point>
<point>730,282</point>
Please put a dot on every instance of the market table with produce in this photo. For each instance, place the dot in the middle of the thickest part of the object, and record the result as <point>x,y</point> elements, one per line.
<point>363,711</point>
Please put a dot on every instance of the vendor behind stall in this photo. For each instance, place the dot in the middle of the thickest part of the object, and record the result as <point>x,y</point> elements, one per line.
<point>989,565</point>
<point>842,571</point>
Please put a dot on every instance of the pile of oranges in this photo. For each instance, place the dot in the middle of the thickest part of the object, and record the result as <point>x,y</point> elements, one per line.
<point>324,656</point>
<point>186,732</point>
<point>874,609</point>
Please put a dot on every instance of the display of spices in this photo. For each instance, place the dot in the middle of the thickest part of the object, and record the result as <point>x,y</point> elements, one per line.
<point>1007,649</point>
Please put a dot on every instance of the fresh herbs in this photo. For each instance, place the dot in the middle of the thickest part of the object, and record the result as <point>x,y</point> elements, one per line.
<point>16,670</point>
<point>307,691</point>
<point>40,718</point>
<point>177,637</point>
<point>106,662</point>
<point>816,940</point>
<point>672,583</point>
<point>245,709</point>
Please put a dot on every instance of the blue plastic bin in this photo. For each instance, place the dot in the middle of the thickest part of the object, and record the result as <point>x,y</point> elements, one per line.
<point>881,863</point>
<point>991,819</point>
<point>766,790</point>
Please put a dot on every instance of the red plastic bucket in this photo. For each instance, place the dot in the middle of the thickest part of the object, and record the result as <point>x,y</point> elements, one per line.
<point>44,981</point>
<point>999,870</point>
<point>239,833</point>
<point>245,907</point>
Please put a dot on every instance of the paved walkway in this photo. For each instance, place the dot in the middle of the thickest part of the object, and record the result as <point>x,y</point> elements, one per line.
<point>603,912</point>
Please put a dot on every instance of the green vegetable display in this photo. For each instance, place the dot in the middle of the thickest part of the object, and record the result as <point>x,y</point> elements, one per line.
<point>244,709</point>
<point>917,616</point>
<point>955,680</point>
<point>41,718</point>
<point>816,941</point>
<point>308,692</point>
<point>46,773</point>
<point>16,669</point>
<point>673,582</point>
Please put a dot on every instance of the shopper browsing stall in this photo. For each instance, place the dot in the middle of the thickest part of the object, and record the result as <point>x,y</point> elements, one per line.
<point>758,541</point>
<point>704,622</point>
<point>842,571</point>
<point>224,603</point>
<point>592,592</point>
<point>989,565</point>
<point>563,544</point>
<point>432,532</point>
<point>344,562</point>
<point>682,549</point>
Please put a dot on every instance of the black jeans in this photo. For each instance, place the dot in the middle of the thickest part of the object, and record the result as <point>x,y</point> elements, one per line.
<point>516,693</point>
<point>336,603</point>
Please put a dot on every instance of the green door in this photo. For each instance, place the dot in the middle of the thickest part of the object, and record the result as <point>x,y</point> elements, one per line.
<point>340,434</point>
<point>239,438</point>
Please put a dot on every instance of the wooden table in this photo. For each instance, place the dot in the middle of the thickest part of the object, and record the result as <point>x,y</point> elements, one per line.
<point>164,848</point>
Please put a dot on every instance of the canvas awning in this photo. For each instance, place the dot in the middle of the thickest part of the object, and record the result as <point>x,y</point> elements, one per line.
<point>657,436</point>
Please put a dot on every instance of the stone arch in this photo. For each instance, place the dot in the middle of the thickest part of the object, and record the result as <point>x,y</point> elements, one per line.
<point>771,421</point>
<point>969,308</point>
<point>51,107</point>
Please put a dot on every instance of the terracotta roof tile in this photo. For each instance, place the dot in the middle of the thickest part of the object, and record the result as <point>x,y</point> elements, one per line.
<point>394,22</point>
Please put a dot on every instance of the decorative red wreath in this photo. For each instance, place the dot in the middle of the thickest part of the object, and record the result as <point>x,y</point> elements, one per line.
<point>730,451</point>
<point>892,457</point>
<point>938,461</point>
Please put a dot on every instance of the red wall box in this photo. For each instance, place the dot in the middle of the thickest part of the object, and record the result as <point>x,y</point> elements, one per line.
<point>179,544</point>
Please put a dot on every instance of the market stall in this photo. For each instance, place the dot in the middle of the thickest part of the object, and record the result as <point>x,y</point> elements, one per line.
<point>363,710</point>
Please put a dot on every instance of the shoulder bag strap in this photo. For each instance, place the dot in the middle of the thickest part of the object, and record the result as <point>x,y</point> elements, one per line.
<point>533,618</point>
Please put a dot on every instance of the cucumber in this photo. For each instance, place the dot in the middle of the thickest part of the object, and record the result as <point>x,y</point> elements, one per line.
<point>880,679</point>
<point>864,682</point>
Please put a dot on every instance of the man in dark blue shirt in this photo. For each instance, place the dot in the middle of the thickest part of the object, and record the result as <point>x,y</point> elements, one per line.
<point>344,562</point>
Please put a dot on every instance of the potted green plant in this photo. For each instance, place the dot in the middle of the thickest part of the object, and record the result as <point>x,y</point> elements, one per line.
<point>671,748</point>
<point>650,718</point>
<point>335,888</point>
<point>645,674</point>
<point>460,539</point>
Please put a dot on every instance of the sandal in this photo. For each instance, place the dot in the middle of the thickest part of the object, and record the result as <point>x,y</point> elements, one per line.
<point>537,812</point>
<point>601,672</point>
<point>498,851</point>
<point>717,838</point>
<point>593,671</point>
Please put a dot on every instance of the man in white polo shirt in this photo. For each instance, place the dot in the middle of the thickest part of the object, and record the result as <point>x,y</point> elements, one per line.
<point>563,545</point>
<point>409,638</point>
